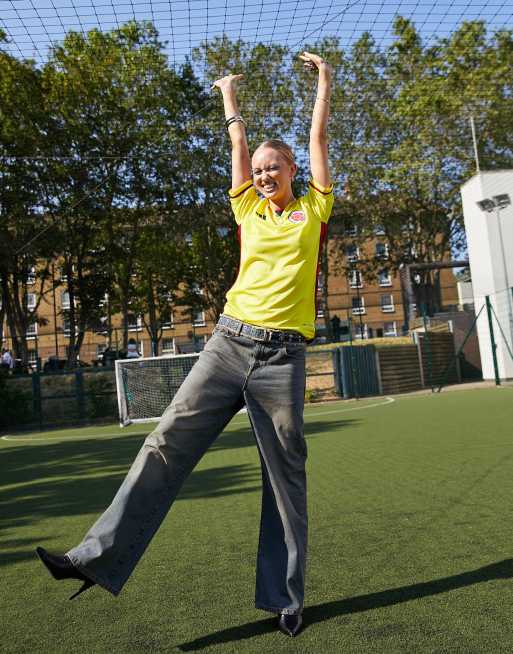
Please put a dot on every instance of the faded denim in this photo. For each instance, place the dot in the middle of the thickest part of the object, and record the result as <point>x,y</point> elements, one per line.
<point>270,379</point>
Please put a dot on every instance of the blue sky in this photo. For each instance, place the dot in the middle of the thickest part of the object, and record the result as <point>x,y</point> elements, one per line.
<point>33,24</point>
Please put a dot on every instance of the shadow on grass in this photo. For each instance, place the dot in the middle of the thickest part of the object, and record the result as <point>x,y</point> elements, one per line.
<point>359,604</point>
<point>70,478</point>
<point>244,438</point>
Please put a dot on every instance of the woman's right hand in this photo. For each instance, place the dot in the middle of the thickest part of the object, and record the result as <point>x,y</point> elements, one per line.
<point>227,82</point>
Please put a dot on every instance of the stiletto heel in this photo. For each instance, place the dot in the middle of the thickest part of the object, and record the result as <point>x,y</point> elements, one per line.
<point>61,567</point>
<point>87,584</point>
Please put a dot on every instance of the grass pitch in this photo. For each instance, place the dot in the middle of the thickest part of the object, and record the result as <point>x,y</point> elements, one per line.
<point>411,540</point>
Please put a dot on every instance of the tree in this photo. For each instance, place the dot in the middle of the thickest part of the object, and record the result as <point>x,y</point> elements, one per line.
<point>24,260</point>
<point>115,104</point>
<point>401,133</point>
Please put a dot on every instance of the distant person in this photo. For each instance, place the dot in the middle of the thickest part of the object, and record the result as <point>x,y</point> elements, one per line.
<point>335,328</point>
<point>7,360</point>
<point>132,352</point>
<point>255,357</point>
<point>108,356</point>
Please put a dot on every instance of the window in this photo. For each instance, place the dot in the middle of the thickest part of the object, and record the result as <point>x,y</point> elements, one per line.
<point>320,312</point>
<point>64,300</point>
<point>66,325</point>
<point>387,303</point>
<point>384,278</point>
<point>355,279</point>
<point>31,275</point>
<point>63,275</point>
<point>198,318</point>
<point>100,349</point>
<point>410,252</point>
<point>352,253</point>
<point>32,330</point>
<point>379,230</point>
<point>134,322</point>
<point>102,325</point>
<point>408,226</point>
<point>361,331</point>
<point>351,230</point>
<point>358,306</point>
<point>167,320</point>
<point>389,329</point>
<point>32,358</point>
<point>168,346</point>
<point>198,315</point>
<point>30,300</point>
<point>381,250</point>
<point>188,239</point>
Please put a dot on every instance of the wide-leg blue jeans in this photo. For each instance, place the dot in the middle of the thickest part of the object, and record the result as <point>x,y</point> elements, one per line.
<point>270,379</point>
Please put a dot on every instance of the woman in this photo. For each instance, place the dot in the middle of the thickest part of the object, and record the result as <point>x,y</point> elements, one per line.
<point>255,357</point>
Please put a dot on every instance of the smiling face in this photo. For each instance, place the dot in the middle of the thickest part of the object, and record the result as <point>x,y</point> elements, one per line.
<point>273,175</point>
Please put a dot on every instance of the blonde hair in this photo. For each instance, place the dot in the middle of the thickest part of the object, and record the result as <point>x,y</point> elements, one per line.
<point>284,149</point>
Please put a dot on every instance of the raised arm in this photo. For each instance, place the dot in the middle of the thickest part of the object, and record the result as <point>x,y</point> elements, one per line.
<point>319,165</point>
<point>241,162</point>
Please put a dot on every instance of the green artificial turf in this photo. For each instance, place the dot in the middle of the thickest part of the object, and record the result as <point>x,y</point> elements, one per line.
<point>411,540</point>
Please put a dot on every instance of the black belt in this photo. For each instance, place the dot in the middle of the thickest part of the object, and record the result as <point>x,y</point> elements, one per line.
<point>259,333</point>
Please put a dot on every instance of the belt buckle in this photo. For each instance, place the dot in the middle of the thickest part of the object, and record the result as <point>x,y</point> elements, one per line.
<point>264,338</point>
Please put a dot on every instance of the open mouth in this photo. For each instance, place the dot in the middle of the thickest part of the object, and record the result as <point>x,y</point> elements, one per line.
<point>269,188</point>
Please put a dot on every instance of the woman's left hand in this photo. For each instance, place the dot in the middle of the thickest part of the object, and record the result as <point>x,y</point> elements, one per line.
<point>312,61</point>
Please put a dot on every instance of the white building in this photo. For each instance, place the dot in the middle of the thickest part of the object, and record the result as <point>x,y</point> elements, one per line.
<point>489,228</point>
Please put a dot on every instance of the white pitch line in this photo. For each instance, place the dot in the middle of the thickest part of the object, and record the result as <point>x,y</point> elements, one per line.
<point>64,438</point>
<point>388,400</point>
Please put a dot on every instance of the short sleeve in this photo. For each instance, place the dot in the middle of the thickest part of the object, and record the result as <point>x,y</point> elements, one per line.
<point>244,200</point>
<point>320,199</point>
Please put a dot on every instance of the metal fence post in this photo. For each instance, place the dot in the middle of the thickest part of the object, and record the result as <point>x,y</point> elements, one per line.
<point>337,370</point>
<point>79,393</point>
<point>378,371</point>
<point>428,347</point>
<point>36,399</point>
<point>492,341</point>
<point>418,343</point>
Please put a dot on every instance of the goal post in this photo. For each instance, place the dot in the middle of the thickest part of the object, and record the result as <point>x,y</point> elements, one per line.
<point>146,386</point>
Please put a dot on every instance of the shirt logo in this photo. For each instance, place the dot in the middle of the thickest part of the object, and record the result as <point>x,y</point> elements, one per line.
<point>297,217</point>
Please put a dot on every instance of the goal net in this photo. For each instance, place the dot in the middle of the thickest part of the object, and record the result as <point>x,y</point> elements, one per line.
<point>146,386</point>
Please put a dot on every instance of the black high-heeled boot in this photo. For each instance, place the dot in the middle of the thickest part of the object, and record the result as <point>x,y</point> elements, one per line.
<point>60,567</point>
<point>290,624</point>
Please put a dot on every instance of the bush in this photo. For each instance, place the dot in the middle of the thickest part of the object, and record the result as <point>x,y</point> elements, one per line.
<point>101,398</point>
<point>15,404</point>
<point>310,395</point>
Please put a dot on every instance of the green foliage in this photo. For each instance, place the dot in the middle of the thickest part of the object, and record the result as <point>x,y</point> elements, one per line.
<point>130,192</point>
<point>15,404</point>
<point>101,397</point>
<point>401,141</point>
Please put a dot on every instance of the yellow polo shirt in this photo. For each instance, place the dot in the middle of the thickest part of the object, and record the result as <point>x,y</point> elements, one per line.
<point>279,259</point>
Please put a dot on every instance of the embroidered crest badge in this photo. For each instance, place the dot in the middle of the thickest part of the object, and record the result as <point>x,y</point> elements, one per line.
<point>297,217</point>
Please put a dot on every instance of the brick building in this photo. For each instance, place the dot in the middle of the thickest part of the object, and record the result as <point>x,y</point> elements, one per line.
<point>365,309</point>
